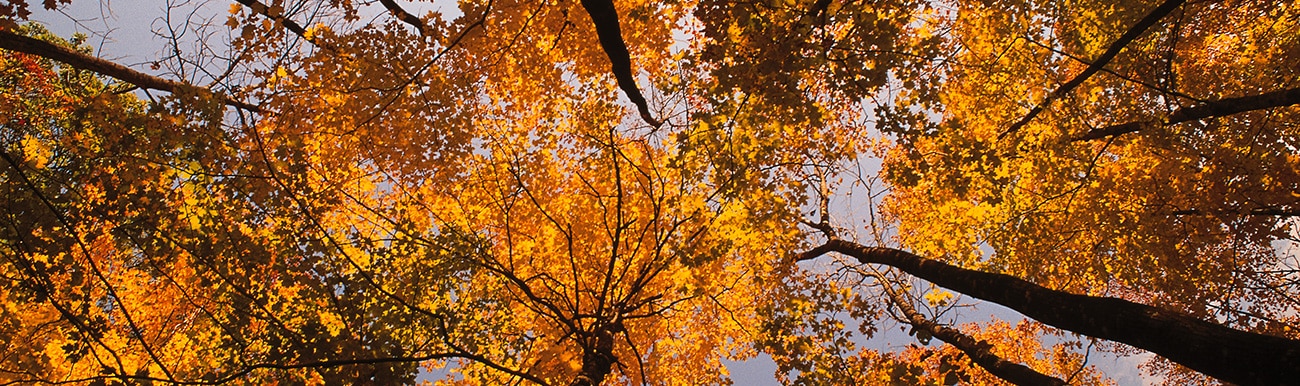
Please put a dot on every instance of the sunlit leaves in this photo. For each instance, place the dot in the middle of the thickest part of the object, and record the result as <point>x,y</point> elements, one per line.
<point>167,245</point>
<point>478,194</point>
<point>1183,216</point>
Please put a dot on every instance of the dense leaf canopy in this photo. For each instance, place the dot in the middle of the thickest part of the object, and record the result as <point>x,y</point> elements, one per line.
<point>620,192</point>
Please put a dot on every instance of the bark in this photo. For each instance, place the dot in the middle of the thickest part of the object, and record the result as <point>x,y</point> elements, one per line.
<point>19,43</point>
<point>979,351</point>
<point>597,358</point>
<point>1115,47</point>
<point>605,17</point>
<point>1227,354</point>
<point>277,16</point>
<point>406,17</point>
<point>1213,109</point>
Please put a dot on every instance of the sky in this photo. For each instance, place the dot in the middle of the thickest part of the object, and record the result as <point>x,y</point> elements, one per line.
<point>128,32</point>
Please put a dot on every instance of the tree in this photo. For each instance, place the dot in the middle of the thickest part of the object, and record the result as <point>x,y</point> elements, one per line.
<point>347,191</point>
<point>564,258</point>
<point>1136,180</point>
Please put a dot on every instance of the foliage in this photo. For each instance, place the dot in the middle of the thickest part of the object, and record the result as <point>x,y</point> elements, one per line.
<point>356,192</point>
<point>1186,216</point>
<point>1182,215</point>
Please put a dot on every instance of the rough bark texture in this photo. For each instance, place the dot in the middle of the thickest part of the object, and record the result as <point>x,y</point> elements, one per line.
<point>1219,108</point>
<point>1115,47</point>
<point>979,351</point>
<point>12,41</point>
<point>605,17</point>
<point>1215,350</point>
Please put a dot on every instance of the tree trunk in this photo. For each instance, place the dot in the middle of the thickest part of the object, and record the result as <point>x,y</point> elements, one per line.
<point>597,358</point>
<point>1215,350</point>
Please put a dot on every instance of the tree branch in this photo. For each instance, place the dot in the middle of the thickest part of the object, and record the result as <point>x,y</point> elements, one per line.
<point>979,351</point>
<point>819,8</point>
<point>276,14</point>
<point>1115,47</point>
<point>32,46</point>
<point>1265,211</point>
<point>605,17</point>
<point>1211,109</point>
<point>408,18</point>
<point>1231,355</point>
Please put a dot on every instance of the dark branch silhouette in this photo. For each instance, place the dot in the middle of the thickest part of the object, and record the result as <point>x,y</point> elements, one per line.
<point>15,42</point>
<point>1228,354</point>
<point>818,9</point>
<point>1212,109</point>
<point>1265,211</point>
<point>979,351</point>
<point>277,16</point>
<point>408,18</point>
<point>605,17</point>
<point>1115,47</point>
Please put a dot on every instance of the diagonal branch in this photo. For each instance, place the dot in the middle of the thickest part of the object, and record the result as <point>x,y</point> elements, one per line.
<point>1211,109</point>
<point>605,17</point>
<point>1115,47</point>
<point>1219,351</point>
<point>32,46</point>
<point>276,13</point>
<point>408,18</point>
<point>1127,78</point>
<point>979,351</point>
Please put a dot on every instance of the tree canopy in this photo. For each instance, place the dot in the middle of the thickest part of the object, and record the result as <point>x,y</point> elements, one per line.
<point>622,192</point>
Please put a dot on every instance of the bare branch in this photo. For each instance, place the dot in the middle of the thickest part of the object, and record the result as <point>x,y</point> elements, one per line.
<point>276,14</point>
<point>1228,354</point>
<point>1264,211</point>
<point>605,17</point>
<point>1211,109</point>
<point>979,351</point>
<point>15,42</point>
<point>406,17</point>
